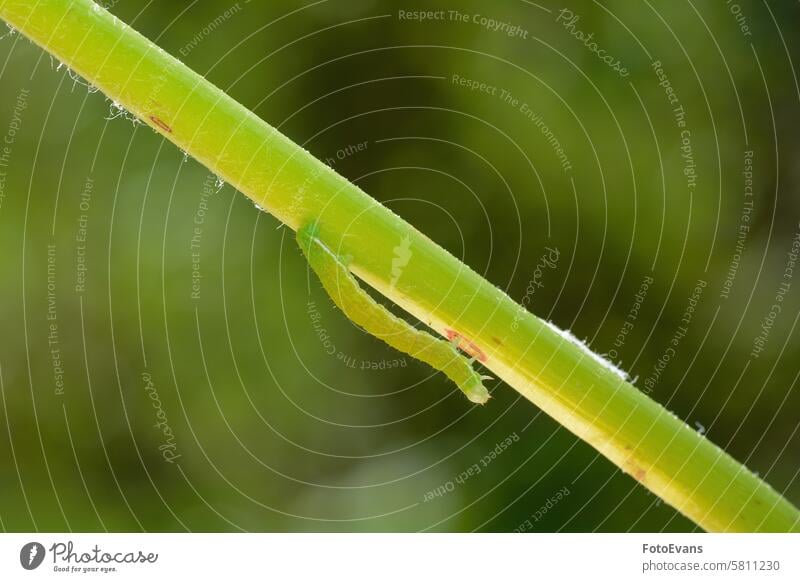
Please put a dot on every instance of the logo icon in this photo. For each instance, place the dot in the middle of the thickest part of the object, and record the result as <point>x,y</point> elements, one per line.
<point>31,555</point>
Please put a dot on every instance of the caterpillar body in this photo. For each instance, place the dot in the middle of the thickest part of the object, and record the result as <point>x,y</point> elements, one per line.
<point>364,311</point>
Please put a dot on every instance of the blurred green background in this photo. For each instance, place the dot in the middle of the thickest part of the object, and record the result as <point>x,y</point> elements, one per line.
<point>156,381</point>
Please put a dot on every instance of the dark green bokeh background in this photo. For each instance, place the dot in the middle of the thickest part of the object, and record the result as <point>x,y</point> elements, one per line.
<point>274,433</point>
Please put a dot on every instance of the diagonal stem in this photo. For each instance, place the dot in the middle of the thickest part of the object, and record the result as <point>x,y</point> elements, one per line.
<point>545,365</point>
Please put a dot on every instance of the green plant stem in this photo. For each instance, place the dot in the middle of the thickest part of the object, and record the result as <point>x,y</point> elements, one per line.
<point>557,374</point>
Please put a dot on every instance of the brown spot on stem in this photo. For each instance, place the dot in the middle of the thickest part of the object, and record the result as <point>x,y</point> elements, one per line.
<point>497,340</point>
<point>466,345</point>
<point>158,122</point>
<point>633,468</point>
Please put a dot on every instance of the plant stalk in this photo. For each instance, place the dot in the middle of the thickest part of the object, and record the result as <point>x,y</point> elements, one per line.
<point>555,373</point>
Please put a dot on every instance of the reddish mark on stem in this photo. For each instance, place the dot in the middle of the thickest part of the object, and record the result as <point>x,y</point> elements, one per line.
<point>635,469</point>
<point>159,123</point>
<point>465,345</point>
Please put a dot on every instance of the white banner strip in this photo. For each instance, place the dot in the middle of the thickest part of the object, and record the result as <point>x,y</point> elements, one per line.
<point>400,557</point>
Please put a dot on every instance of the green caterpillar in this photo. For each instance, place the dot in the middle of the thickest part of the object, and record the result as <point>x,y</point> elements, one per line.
<point>375,319</point>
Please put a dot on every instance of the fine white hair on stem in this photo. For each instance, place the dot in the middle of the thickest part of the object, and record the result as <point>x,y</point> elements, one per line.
<point>570,337</point>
